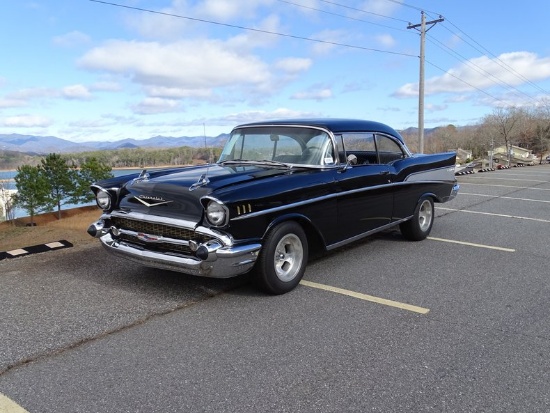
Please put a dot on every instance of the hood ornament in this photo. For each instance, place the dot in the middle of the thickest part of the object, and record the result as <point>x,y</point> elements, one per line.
<point>143,176</point>
<point>151,201</point>
<point>203,180</point>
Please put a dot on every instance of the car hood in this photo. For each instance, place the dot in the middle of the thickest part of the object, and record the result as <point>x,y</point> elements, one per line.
<point>176,193</point>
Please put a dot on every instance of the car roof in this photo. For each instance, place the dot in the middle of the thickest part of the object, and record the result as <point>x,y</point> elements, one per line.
<point>335,125</point>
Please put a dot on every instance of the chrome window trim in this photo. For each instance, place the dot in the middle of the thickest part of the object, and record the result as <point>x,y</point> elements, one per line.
<point>327,131</point>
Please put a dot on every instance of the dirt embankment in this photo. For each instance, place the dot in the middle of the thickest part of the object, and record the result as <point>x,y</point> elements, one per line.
<point>71,227</point>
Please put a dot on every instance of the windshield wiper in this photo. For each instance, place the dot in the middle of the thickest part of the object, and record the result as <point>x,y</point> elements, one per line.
<point>258,162</point>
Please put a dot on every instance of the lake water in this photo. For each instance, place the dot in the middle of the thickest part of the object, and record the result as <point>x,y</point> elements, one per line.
<point>7,181</point>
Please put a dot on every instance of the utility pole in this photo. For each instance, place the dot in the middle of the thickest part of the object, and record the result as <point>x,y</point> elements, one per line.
<point>423,31</point>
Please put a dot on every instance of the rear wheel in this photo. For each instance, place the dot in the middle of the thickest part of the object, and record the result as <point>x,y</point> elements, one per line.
<point>420,225</point>
<point>283,259</point>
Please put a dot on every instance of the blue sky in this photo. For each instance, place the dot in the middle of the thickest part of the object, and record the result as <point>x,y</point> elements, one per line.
<point>84,70</point>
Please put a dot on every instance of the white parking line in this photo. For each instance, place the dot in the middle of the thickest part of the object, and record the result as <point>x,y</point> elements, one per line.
<point>9,406</point>
<point>495,215</point>
<point>505,197</point>
<point>506,186</point>
<point>354,294</point>
<point>509,179</point>
<point>471,244</point>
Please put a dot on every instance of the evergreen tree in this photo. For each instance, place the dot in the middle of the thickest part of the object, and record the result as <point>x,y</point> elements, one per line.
<point>32,190</point>
<point>92,170</point>
<point>61,180</point>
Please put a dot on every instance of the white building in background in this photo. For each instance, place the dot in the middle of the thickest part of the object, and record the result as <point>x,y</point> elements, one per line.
<point>5,201</point>
<point>513,155</point>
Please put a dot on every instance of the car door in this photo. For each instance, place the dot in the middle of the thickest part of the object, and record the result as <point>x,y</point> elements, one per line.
<point>365,202</point>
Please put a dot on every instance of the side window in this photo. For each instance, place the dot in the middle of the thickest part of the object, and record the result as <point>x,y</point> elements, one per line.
<point>388,149</point>
<point>362,145</point>
<point>340,148</point>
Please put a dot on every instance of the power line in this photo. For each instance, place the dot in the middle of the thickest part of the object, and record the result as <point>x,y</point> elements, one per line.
<point>478,69</point>
<point>345,17</point>
<point>497,59</point>
<point>463,81</point>
<point>234,26</point>
<point>361,10</point>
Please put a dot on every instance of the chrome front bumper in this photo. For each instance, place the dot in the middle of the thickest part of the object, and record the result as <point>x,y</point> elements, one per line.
<point>222,261</point>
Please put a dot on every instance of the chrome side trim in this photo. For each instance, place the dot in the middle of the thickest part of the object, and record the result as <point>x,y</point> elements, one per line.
<point>366,234</point>
<point>443,174</point>
<point>307,201</point>
<point>331,196</point>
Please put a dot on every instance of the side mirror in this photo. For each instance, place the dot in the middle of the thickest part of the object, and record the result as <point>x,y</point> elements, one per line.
<point>351,160</point>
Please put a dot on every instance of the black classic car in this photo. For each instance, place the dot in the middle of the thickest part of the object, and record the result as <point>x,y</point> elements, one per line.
<point>279,190</point>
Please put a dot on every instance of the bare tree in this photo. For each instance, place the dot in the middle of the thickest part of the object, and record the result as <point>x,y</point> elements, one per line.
<point>503,127</point>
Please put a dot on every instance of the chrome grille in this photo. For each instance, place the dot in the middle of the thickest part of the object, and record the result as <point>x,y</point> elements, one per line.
<point>157,229</point>
<point>157,246</point>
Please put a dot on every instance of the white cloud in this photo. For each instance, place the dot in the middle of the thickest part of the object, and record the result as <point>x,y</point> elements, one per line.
<point>314,94</point>
<point>188,65</point>
<point>251,39</point>
<point>106,86</point>
<point>293,65</point>
<point>382,7</point>
<point>386,40</point>
<point>6,103</point>
<point>260,115</point>
<point>328,41</point>
<point>161,25</point>
<point>435,108</point>
<point>484,73</point>
<point>77,92</point>
<point>26,121</point>
<point>180,16</point>
<point>71,39</point>
<point>150,106</point>
<point>33,93</point>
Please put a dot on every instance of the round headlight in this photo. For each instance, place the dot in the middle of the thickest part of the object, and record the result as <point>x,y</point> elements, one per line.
<point>216,213</point>
<point>103,199</point>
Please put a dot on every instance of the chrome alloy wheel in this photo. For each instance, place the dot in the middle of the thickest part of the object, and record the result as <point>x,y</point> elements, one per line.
<point>425,215</point>
<point>289,255</point>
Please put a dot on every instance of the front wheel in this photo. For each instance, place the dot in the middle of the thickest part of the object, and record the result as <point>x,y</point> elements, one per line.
<point>283,259</point>
<point>420,225</point>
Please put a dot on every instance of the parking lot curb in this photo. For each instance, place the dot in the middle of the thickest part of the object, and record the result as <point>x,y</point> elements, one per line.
<point>35,249</point>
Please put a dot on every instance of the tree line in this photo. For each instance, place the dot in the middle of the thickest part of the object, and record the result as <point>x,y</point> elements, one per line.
<point>527,128</point>
<point>121,158</point>
<point>55,182</point>
<point>45,184</point>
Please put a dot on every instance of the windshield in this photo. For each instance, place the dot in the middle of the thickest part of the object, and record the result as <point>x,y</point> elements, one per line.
<point>285,144</point>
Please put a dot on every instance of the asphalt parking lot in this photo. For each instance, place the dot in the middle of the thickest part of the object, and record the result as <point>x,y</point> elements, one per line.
<point>459,322</point>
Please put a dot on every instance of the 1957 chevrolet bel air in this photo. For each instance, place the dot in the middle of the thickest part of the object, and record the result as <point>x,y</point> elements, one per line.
<point>279,190</point>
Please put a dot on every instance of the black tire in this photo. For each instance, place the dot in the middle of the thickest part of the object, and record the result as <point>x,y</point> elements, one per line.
<point>420,225</point>
<point>283,259</point>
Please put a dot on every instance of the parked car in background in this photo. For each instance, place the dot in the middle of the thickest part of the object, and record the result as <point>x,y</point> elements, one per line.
<point>278,190</point>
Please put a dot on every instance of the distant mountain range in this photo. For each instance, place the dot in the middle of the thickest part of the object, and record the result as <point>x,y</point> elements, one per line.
<point>43,145</point>
<point>40,145</point>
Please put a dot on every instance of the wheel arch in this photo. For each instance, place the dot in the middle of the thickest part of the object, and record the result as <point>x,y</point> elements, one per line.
<point>315,239</point>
